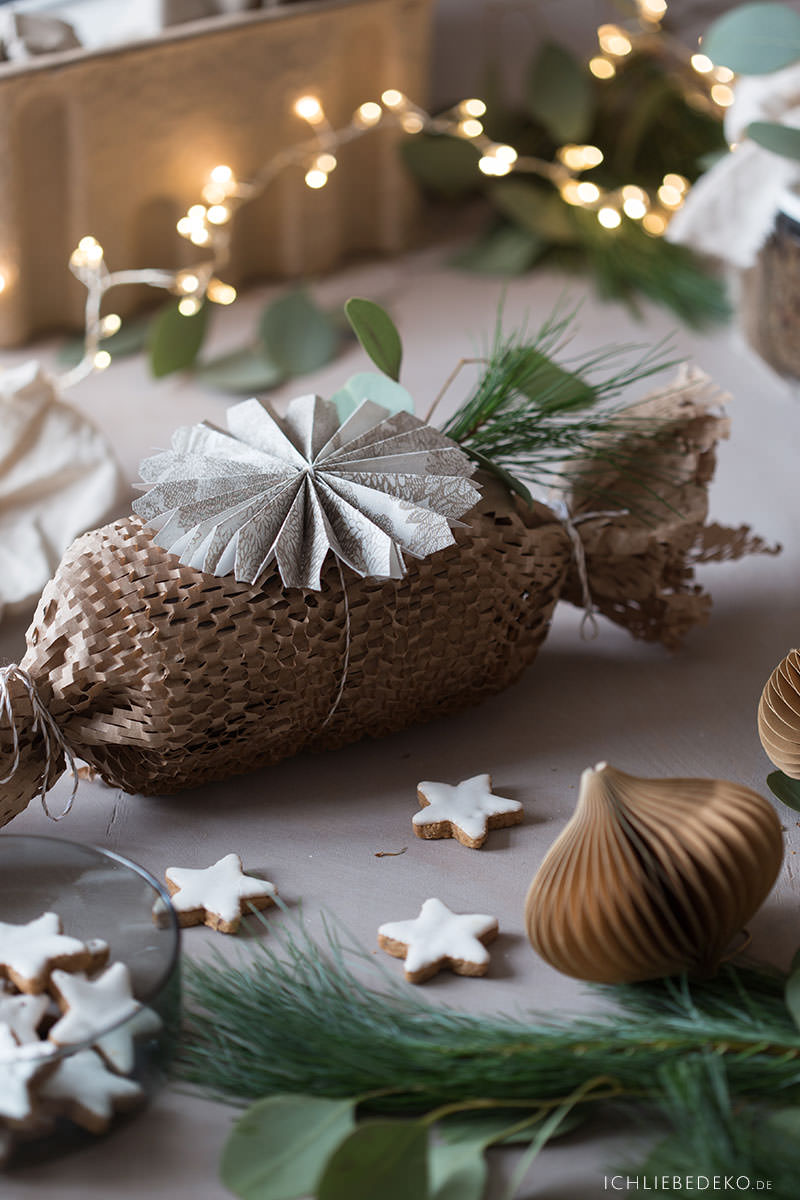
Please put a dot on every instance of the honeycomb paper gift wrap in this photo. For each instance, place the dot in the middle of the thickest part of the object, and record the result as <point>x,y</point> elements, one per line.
<point>164,676</point>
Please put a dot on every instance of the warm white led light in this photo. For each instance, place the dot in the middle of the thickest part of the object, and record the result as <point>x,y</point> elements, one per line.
<point>701,63</point>
<point>110,324</point>
<point>218,214</point>
<point>391,98</point>
<point>310,109</point>
<point>473,107</point>
<point>601,67</point>
<point>316,179</point>
<point>609,218</point>
<point>369,113</point>
<point>188,306</point>
<point>587,192</point>
<point>101,360</point>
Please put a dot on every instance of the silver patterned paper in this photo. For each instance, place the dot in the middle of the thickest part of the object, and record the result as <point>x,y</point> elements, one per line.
<point>289,490</point>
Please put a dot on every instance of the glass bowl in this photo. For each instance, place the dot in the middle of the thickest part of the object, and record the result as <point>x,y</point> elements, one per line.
<point>98,895</point>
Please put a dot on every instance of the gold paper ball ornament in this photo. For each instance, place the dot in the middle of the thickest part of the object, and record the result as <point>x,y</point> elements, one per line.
<point>652,876</point>
<point>779,716</point>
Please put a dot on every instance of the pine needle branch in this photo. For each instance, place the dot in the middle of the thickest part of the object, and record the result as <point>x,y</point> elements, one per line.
<point>534,418</point>
<point>304,1022</point>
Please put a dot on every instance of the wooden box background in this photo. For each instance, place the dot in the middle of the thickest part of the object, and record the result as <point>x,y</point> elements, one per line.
<point>117,144</point>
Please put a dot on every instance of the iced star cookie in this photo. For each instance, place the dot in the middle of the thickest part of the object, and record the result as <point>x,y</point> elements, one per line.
<point>30,952</point>
<point>466,811</point>
<point>440,938</point>
<point>83,1089</point>
<point>22,1016</point>
<point>218,895</point>
<point>92,1005</point>
<point>21,1068</point>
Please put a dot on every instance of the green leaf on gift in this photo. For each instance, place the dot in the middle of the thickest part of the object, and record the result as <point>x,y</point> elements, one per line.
<point>242,372</point>
<point>174,340</point>
<point>382,1160</point>
<point>540,211</point>
<point>445,165</point>
<point>297,335</point>
<point>130,338</point>
<point>279,1148</point>
<point>787,790</point>
<point>559,94</point>
<point>369,386</point>
<point>504,250</point>
<point>377,333</point>
<point>754,39</point>
<point>780,139</point>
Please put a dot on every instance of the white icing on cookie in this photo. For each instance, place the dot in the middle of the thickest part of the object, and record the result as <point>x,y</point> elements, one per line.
<point>220,891</point>
<point>23,1015</point>
<point>91,1005</point>
<point>466,806</point>
<point>87,1091</point>
<point>19,1066</point>
<point>27,951</point>
<point>440,935</point>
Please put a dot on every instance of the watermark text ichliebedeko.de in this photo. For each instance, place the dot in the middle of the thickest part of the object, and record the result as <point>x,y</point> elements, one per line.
<point>685,1183</point>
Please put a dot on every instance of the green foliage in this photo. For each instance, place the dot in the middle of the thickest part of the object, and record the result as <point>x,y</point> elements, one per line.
<point>377,334</point>
<point>559,94</point>
<point>279,1148</point>
<point>446,166</point>
<point>381,1160</point>
<point>780,139</point>
<point>174,340</point>
<point>787,790</point>
<point>368,386</point>
<point>502,250</point>
<point>242,372</point>
<point>530,416</point>
<point>718,1059</point>
<point>297,335</point>
<point>792,992</point>
<point>645,126</point>
<point>755,39</point>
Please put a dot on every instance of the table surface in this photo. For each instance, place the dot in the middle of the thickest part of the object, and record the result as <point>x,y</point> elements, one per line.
<point>314,823</point>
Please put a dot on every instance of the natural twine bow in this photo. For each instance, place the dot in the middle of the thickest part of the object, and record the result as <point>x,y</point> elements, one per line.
<point>45,725</point>
<point>589,629</point>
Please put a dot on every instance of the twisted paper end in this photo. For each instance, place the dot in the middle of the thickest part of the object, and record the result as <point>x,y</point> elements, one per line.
<point>33,749</point>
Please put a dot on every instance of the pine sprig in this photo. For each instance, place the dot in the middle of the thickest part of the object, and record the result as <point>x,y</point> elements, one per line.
<point>533,419</point>
<point>303,1022</point>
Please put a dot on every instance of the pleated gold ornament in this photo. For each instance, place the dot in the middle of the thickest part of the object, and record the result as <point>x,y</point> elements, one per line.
<point>779,716</point>
<point>652,876</point>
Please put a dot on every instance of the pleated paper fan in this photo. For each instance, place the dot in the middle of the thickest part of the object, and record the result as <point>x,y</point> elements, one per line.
<point>370,490</point>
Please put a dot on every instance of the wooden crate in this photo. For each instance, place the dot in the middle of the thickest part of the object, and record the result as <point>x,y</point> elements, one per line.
<point>117,144</point>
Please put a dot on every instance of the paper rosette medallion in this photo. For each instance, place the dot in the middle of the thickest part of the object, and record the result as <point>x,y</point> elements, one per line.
<point>291,489</point>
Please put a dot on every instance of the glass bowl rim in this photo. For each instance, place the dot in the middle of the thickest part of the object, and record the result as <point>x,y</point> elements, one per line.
<point>71,1048</point>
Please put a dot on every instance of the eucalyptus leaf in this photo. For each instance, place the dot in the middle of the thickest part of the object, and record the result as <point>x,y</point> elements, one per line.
<point>381,1160</point>
<point>442,164</point>
<point>504,250</point>
<point>369,386</point>
<point>278,1149</point>
<point>130,338</point>
<point>297,335</point>
<point>458,1170</point>
<point>754,39</point>
<point>787,790</point>
<point>540,211</point>
<point>242,372</point>
<point>792,990</point>
<point>559,94</point>
<point>780,139</point>
<point>174,340</point>
<point>377,333</point>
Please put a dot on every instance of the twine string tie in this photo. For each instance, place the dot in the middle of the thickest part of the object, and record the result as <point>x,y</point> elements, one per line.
<point>53,740</point>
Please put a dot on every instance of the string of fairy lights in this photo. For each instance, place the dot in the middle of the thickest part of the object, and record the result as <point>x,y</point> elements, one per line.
<point>207,224</point>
